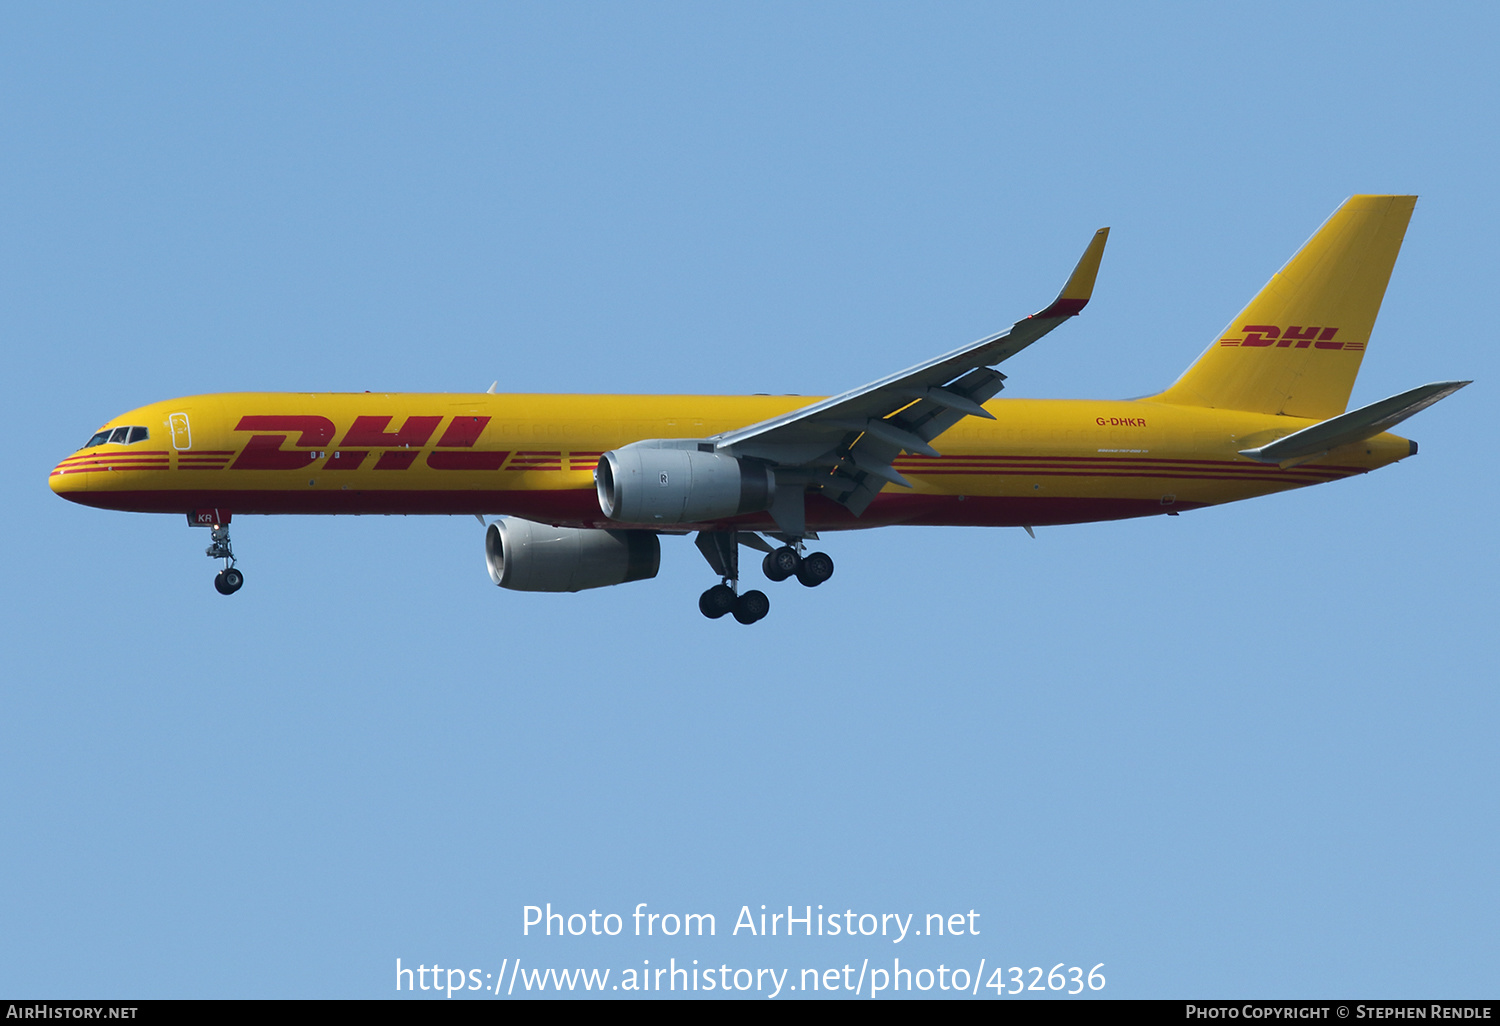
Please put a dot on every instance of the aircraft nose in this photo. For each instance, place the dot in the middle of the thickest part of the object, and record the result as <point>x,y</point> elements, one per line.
<point>67,478</point>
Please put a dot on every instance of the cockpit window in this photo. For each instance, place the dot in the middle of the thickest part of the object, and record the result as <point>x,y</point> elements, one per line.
<point>127,435</point>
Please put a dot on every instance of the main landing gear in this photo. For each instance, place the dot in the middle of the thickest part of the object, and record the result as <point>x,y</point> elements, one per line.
<point>721,549</point>
<point>721,599</point>
<point>810,570</point>
<point>228,580</point>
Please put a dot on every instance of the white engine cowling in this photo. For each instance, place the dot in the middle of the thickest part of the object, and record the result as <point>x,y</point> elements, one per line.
<point>524,556</point>
<point>642,484</point>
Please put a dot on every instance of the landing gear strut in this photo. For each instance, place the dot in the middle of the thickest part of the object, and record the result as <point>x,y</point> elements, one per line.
<point>722,550</point>
<point>228,580</point>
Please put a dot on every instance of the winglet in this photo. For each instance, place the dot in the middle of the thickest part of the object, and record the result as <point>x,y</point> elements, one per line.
<point>1075,294</point>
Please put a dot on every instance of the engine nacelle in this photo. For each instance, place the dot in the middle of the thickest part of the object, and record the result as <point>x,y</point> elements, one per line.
<point>524,556</point>
<point>642,484</point>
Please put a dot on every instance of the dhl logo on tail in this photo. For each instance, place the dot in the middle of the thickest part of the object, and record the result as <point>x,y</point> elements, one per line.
<point>1295,337</point>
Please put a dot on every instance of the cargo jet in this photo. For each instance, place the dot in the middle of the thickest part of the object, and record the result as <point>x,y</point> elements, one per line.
<point>586,485</point>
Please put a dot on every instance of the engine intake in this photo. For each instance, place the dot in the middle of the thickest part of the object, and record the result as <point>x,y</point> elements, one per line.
<point>524,556</point>
<point>642,484</point>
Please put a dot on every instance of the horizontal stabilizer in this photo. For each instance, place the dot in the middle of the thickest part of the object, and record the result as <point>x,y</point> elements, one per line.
<point>1354,426</point>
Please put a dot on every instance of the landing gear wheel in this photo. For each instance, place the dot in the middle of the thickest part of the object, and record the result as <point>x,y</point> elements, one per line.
<point>227,582</point>
<point>717,601</point>
<point>751,606</point>
<point>816,568</point>
<point>781,563</point>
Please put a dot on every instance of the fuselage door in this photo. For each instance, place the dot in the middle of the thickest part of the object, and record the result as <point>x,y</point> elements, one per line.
<point>182,433</point>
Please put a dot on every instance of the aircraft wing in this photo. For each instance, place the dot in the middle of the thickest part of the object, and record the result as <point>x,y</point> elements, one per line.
<point>847,445</point>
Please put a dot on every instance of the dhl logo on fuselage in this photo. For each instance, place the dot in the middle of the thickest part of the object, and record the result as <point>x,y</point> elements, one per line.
<point>398,449</point>
<point>1294,337</point>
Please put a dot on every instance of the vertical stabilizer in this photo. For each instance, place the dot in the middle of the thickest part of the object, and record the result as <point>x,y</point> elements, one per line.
<point>1296,349</point>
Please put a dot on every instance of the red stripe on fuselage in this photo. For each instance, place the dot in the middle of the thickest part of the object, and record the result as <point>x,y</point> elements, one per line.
<point>580,507</point>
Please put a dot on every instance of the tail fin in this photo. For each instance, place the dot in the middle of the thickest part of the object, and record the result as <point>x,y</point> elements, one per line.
<point>1296,349</point>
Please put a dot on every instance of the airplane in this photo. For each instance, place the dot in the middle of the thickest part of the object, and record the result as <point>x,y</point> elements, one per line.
<point>586,485</point>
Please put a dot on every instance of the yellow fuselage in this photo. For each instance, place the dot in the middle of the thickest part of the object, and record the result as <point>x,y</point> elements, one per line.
<point>533,456</point>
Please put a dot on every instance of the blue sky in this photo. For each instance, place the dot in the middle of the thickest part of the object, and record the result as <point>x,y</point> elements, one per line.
<point>1247,751</point>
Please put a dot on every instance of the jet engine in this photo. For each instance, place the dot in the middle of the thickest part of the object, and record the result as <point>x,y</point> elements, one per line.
<point>643,484</point>
<point>524,556</point>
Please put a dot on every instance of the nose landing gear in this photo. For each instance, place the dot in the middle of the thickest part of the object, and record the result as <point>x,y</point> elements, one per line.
<point>228,580</point>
